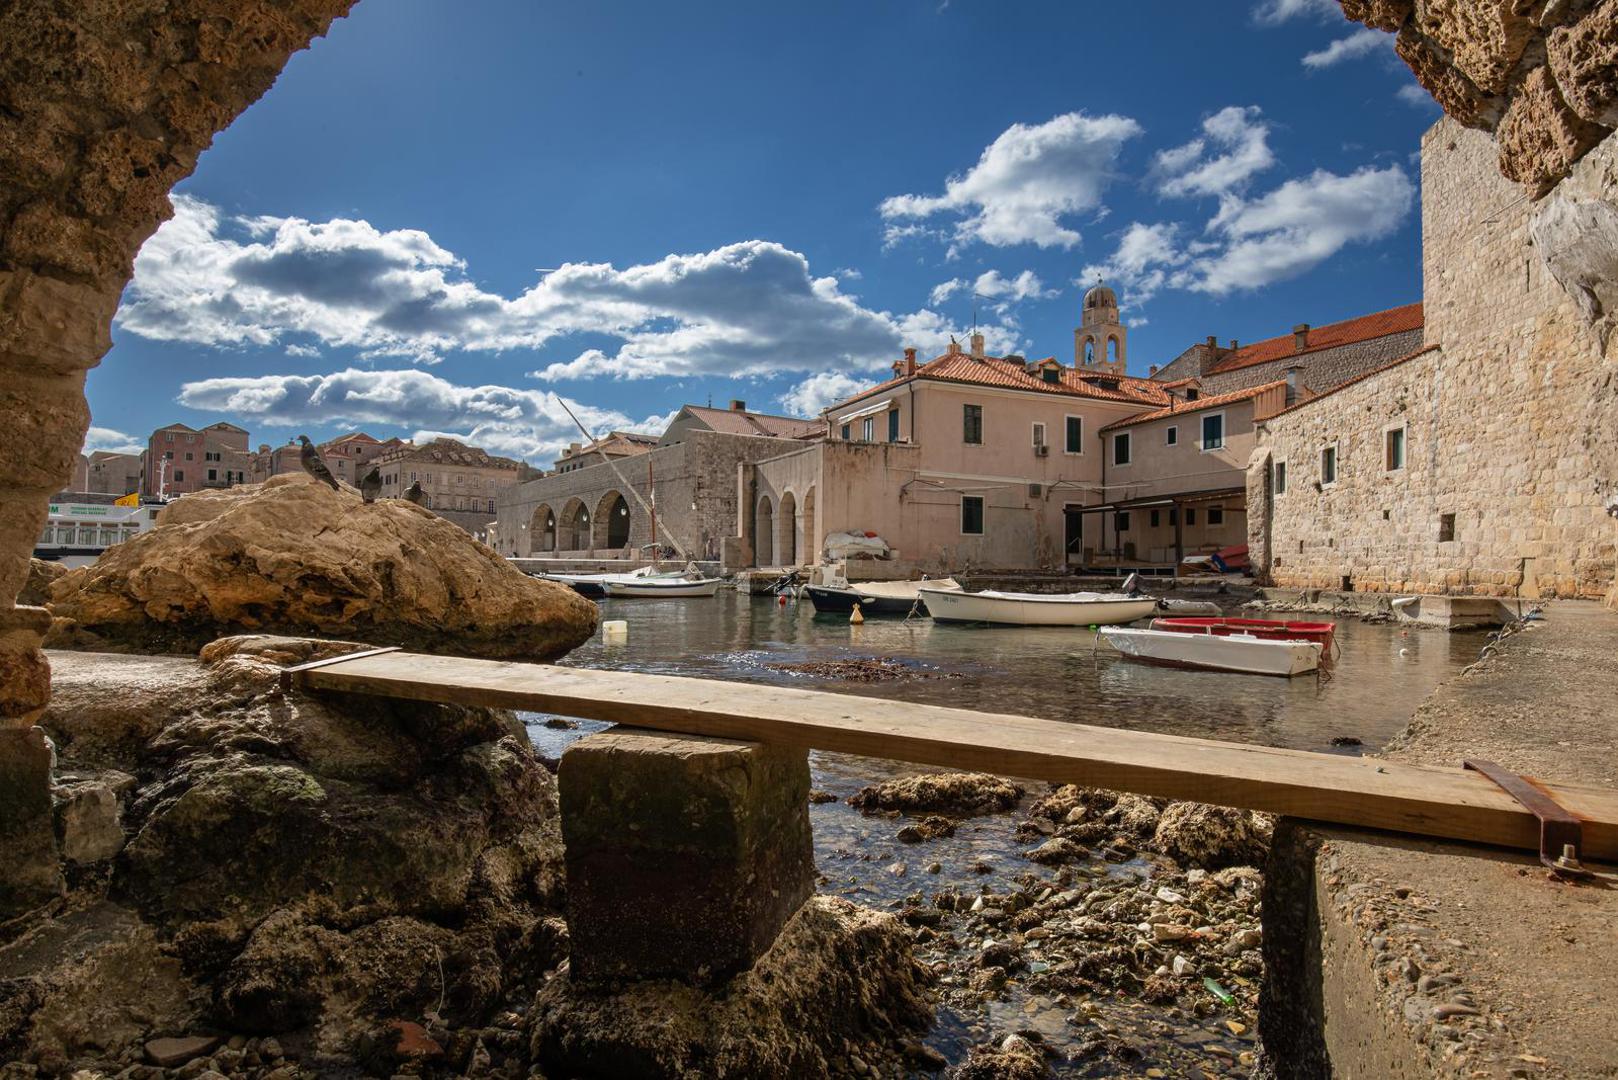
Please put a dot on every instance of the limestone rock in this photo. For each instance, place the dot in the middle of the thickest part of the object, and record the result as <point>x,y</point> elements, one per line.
<point>1584,59</point>
<point>293,556</point>
<point>1484,38</point>
<point>1380,14</point>
<point>947,793</point>
<point>1014,1059</point>
<point>836,974</point>
<point>1540,137</point>
<point>1456,94</point>
<point>89,814</point>
<point>1578,240</point>
<point>41,573</point>
<point>1210,837</point>
<point>29,874</point>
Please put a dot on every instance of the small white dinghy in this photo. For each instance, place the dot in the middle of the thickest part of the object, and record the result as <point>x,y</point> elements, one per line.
<point>1234,652</point>
<point>1034,609</point>
<point>645,588</point>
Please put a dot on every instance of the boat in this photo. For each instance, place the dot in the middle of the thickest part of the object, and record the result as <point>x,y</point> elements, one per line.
<point>82,524</point>
<point>650,587</point>
<point>1321,633</point>
<point>593,585</point>
<point>873,597</point>
<point>1034,609</point>
<point>1243,653</point>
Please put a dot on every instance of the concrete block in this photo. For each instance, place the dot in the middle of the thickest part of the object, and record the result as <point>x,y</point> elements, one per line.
<point>685,855</point>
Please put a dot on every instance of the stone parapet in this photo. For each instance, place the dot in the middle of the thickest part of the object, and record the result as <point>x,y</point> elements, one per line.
<point>685,855</point>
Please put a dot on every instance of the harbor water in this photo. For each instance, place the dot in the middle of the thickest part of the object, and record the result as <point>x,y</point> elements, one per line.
<point>1380,675</point>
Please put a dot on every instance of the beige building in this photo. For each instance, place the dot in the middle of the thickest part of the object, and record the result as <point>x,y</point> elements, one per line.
<point>461,482</point>
<point>109,473</point>
<point>1475,465</point>
<point>617,445</point>
<point>181,459</point>
<point>351,456</point>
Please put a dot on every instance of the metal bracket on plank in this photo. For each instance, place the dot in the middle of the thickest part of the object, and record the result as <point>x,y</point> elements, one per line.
<point>287,673</point>
<point>1561,835</point>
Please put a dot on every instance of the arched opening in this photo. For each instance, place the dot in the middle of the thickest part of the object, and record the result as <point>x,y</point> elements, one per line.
<point>542,529</point>
<point>811,545</point>
<point>787,529</point>
<point>1089,350</point>
<point>573,532</point>
<point>763,532</point>
<point>611,529</point>
<point>1112,349</point>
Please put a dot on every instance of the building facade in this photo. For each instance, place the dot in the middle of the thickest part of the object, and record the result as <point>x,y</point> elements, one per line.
<point>351,456</point>
<point>110,473</point>
<point>616,445</point>
<point>182,459</point>
<point>1476,465</point>
<point>455,477</point>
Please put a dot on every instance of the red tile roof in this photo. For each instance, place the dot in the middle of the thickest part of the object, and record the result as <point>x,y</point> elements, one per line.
<point>1365,328</point>
<point>1012,375</point>
<point>1361,377</point>
<point>1180,408</point>
<point>740,422</point>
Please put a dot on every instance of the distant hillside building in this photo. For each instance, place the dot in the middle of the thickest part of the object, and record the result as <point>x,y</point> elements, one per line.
<point>350,457</point>
<point>182,459</point>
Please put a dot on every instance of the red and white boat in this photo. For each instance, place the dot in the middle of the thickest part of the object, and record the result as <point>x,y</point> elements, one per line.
<point>1264,629</point>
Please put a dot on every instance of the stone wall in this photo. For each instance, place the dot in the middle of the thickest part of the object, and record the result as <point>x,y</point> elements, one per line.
<point>1508,452</point>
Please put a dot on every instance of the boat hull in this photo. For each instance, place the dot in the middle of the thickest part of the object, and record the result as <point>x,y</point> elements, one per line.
<point>1321,633</point>
<point>652,590</point>
<point>1023,609</point>
<point>832,601</point>
<point>1214,652</point>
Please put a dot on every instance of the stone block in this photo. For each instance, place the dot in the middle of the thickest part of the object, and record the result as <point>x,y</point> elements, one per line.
<point>89,815</point>
<point>685,855</point>
<point>29,870</point>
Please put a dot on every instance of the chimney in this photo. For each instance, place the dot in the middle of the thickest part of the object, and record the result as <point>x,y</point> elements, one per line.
<point>910,362</point>
<point>1151,370</point>
<point>1234,344</point>
<point>1213,342</point>
<point>954,346</point>
<point>1294,383</point>
<point>1300,337</point>
<point>977,344</point>
<point>572,448</point>
<point>737,405</point>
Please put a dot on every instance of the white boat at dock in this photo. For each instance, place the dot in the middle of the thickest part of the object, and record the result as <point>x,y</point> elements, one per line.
<point>595,584</point>
<point>1034,609</point>
<point>1242,653</point>
<point>650,587</point>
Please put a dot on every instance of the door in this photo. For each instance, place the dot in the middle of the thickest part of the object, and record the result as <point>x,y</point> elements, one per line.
<point>1073,531</point>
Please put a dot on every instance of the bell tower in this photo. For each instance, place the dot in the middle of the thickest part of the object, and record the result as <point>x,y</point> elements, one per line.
<point>1101,343</point>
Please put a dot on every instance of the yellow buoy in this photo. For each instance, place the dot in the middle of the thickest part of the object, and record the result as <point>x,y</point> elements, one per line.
<point>856,617</point>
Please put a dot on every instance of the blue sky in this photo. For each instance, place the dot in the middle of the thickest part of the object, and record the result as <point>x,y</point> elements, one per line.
<point>445,217</point>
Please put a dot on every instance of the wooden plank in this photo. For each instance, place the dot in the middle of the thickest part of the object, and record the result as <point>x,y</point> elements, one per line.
<point>1420,799</point>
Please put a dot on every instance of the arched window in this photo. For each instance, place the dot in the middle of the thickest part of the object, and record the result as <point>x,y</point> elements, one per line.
<point>1112,350</point>
<point>1089,350</point>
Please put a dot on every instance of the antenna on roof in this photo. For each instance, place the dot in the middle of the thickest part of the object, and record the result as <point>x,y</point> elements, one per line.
<point>976,296</point>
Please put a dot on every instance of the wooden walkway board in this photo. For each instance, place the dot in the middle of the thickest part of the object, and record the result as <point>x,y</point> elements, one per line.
<point>1423,800</point>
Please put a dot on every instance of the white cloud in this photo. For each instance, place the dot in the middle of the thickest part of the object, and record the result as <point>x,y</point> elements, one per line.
<point>1252,243</point>
<point>521,423</point>
<point>944,290</point>
<point>1413,94</point>
<point>818,391</point>
<point>1024,184</point>
<point>115,442</point>
<point>1362,42</point>
<point>1272,12</point>
<point>1241,140</point>
<point>994,286</point>
<point>304,351</point>
<point>746,308</point>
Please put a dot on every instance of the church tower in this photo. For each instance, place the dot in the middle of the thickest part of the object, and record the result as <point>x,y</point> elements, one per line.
<point>1101,343</point>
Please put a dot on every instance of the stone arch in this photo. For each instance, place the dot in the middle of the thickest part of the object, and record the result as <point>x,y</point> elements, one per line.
<point>573,527</point>
<point>786,531</point>
<point>1114,350</point>
<point>811,549</point>
<point>763,532</point>
<point>610,530</point>
<point>542,529</point>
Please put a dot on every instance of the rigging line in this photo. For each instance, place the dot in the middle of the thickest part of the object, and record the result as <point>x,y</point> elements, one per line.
<point>679,548</point>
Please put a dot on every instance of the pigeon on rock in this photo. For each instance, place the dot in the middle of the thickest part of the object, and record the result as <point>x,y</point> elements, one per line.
<point>414,494</point>
<point>313,465</point>
<point>371,485</point>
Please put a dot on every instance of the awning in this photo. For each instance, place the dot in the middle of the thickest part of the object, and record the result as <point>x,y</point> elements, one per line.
<point>1189,497</point>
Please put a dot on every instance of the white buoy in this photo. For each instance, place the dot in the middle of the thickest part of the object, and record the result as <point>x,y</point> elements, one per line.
<point>615,630</point>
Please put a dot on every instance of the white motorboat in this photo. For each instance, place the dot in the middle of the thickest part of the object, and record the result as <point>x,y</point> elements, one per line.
<point>647,587</point>
<point>595,584</point>
<point>1034,609</point>
<point>1231,652</point>
<point>873,597</point>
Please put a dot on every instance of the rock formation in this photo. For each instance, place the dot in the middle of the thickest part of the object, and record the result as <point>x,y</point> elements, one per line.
<point>1541,74</point>
<point>293,556</point>
<point>309,867</point>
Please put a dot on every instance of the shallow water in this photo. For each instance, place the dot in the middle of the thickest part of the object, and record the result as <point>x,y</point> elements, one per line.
<point>1380,676</point>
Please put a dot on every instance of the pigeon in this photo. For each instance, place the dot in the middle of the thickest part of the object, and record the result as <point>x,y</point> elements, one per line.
<point>371,485</point>
<point>414,494</point>
<point>313,465</point>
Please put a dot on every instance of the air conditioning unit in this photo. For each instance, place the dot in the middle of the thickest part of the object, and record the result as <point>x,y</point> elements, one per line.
<point>1034,491</point>
<point>1040,450</point>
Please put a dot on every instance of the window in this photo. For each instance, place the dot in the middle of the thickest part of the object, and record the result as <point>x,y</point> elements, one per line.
<point>1393,445</point>
<point>1280,484</point>
<point>868,429</point>
<point>1120,521</point>
<point>846,435</point>
<point>1156,518</point>
<point>972,424</point>
<point>1328,464</point>
<point>179,475</point>
<point>1213,431</point>
<point>972,513</point>
<point>1052,375</point>
<point>893,425</point>
<point>1039,435</point>
<point>1171,437</point>
<point>1190,515</point>
<point>1120,448</point>
<point>1192,393</point>
<point>188,455</point>
<point>1216,515</point>
<point>1075,435</point>
<point>213,474</point>
<point>1446,528</point>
